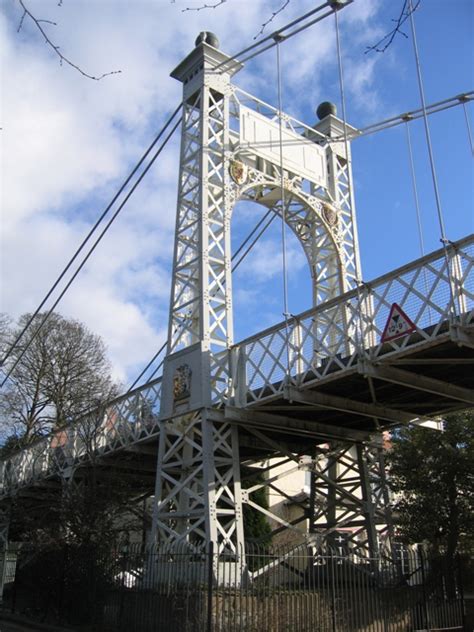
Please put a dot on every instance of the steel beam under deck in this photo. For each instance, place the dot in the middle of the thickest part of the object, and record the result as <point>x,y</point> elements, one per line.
<point>370,397</point>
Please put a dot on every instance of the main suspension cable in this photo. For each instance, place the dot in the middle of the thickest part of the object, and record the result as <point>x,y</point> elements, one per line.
<point>399,119</point>
<point>257,237</point>
<point>427,128</point>
<point>93,247</point>
<point>331,5</point>
<point>88,237</point>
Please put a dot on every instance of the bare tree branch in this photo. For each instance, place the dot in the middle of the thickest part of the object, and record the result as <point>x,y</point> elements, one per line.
<point>271,18</point>
<point>216,4</point>
<point>382,45</point>
<point>62,58</point>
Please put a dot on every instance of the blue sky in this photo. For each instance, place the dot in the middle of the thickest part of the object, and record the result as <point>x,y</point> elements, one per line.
<point>68,142</point>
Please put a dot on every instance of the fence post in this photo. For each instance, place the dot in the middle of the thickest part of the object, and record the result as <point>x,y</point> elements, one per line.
<point>210,582</point>
<point>423,579</point>
<point>461,590</point>
<point>124,552</point>
<point>333,592</point>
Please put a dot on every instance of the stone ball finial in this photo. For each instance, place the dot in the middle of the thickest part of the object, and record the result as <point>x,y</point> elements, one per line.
<point>325,108</point>
<point>208,38</point>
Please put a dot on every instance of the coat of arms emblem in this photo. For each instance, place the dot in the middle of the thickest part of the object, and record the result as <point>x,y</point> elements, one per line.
<point>330,214</point>
<point>182,382</point>
<point>238,171</point>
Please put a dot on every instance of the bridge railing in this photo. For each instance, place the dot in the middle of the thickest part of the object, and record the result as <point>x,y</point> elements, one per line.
<point>436,292</point>
<point>124,421</point>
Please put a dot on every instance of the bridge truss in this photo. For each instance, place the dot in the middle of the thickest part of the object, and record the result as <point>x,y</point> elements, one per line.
<point>332,402</point>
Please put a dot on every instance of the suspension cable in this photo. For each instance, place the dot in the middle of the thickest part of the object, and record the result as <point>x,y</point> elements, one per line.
<point>286,311</point>
<point>93,247</point>
<point>444,240</point>
<point>432,108</point>
<point>468,125</point>
<point>417,208</point>
<point>148,366</point>
<point>252,232</point>
<point>88,237</point>
<point>282,184</point>
<point>257,237</point>
<point>331,5</point>
<point>427,128</point>
<point>415,189</point>
<point>234,268</point>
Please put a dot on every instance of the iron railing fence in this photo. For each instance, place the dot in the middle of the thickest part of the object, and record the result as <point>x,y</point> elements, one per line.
<point>270,589</point>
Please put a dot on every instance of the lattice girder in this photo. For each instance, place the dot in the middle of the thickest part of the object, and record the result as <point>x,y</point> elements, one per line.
<point>349,499</point>
<point>217,118</point>
<point>198,495</point>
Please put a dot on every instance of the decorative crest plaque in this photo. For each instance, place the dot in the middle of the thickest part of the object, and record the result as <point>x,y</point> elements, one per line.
<point>330,215</point>
<point>238,171</point>
<point>182,382</point>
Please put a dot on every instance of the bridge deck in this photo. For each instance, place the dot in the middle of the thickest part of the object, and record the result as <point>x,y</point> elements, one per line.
<point>324,373</point>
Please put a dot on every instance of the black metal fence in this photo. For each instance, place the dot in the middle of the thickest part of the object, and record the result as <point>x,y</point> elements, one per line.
<point>286,589</point>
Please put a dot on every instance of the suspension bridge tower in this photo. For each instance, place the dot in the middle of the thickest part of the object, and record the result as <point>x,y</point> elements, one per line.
<point>235,147</point>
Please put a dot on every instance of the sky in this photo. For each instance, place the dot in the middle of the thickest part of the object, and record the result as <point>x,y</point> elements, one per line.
<point>67,143</point>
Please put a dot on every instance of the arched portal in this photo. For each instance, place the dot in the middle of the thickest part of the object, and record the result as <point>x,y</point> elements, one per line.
<point>258,282</point>
<point>235,147</point>
<point>315,225</point>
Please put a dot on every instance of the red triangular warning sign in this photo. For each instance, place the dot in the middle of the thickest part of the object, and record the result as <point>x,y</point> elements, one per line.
<point>398,324</point>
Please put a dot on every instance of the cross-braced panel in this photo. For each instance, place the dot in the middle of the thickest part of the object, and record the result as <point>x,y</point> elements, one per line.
<point>349,504</point>
<point>198,484</point>
<point>436,292</point>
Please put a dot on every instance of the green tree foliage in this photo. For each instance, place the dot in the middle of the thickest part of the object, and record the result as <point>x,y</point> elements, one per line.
<point>256,526</point>
<point>432,476</point>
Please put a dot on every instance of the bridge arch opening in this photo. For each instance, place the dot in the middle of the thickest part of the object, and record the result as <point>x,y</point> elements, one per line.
<point>257,278</point>
<point>313,262</point>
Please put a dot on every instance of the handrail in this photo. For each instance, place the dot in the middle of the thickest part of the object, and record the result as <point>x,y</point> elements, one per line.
<point>293,318</point>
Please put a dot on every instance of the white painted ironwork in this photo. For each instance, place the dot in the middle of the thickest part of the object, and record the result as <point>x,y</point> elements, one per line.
<point>226,130</point>
<point>230,151</point>
<point>422,289</point>
<point>198,495</point>
<point>260,362</point>
<point>127,420</point>
<point>349,505</point>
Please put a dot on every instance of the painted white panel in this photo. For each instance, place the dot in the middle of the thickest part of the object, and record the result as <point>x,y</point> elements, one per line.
<point>300,155</point>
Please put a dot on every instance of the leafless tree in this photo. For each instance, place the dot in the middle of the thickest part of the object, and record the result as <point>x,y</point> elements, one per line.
<point>63,372</point>
<point>41,25</point>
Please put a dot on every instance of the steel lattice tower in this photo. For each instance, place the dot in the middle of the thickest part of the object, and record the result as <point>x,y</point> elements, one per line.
<point>230,151</point>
